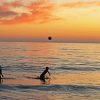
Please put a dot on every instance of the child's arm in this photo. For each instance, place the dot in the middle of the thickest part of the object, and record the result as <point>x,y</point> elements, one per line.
<point>49,73</point>
<point>2,75</point>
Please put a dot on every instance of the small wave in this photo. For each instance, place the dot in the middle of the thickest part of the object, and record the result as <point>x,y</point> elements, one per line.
<point>50,58</point>
<point>70,49</point>
<point>59,87</point>
<point>55,88</point>
<point>80,68</point>
<point>6,88</point>
<point>7,78</point>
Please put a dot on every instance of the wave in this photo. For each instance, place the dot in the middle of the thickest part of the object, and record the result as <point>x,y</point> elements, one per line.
<point>55,88</point>
<point>80,68</point>
<point>39,69</point>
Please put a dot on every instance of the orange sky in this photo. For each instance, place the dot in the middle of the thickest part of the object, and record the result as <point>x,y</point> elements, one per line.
<point>64,20</point>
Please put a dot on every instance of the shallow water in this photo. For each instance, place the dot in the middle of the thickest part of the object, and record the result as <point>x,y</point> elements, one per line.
<point>74,67</point>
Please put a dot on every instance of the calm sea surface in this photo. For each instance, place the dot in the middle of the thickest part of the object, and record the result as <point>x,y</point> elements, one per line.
<point>74,68</point>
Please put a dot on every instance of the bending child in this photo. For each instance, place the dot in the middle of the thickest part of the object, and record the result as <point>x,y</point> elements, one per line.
<point>42,76</point>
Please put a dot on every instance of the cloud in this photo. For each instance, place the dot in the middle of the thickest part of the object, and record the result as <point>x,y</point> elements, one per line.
<point>81,4</point>
<point>73,10</point>
<point>38,11</point>
<point>19,12</point>
<point>7,13</point>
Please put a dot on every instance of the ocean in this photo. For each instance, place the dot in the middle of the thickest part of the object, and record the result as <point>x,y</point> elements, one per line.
<point>74,68</point>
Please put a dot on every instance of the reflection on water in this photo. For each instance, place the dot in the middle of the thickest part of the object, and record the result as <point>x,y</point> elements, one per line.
<point>25,81</point>
<point>74,68</point>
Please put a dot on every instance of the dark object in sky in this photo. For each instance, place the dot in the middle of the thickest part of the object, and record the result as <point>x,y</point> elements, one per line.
<point>49,38</point>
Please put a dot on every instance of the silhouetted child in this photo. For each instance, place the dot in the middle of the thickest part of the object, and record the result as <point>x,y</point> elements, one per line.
<point>1,75</point>
<point>42,76</point>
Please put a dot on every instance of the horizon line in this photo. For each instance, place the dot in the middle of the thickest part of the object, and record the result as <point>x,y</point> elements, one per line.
<point>50,41</point>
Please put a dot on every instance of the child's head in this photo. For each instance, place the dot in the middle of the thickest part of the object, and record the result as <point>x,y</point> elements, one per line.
<point>47,68</point>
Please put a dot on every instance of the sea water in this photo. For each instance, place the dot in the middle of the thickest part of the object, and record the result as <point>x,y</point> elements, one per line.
<point>74,68</point>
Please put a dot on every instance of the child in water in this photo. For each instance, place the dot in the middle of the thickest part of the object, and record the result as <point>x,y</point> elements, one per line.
<point>42,76</point>
<point>1,75</point>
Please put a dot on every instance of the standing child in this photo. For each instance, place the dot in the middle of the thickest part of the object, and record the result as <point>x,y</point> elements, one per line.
<point>1,75</point>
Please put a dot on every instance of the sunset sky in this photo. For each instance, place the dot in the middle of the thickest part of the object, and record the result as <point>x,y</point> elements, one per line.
<point>64,20</point>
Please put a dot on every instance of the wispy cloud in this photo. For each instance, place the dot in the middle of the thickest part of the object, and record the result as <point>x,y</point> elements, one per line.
<point>16,12</point>
<point>7,15</point>
<point>38,11</point>
<point>81,4</point>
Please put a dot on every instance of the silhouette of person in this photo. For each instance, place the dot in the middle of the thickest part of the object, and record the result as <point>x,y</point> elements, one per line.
<point>42,76</point>
<point>1,75</point>
<point>1,81</point>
